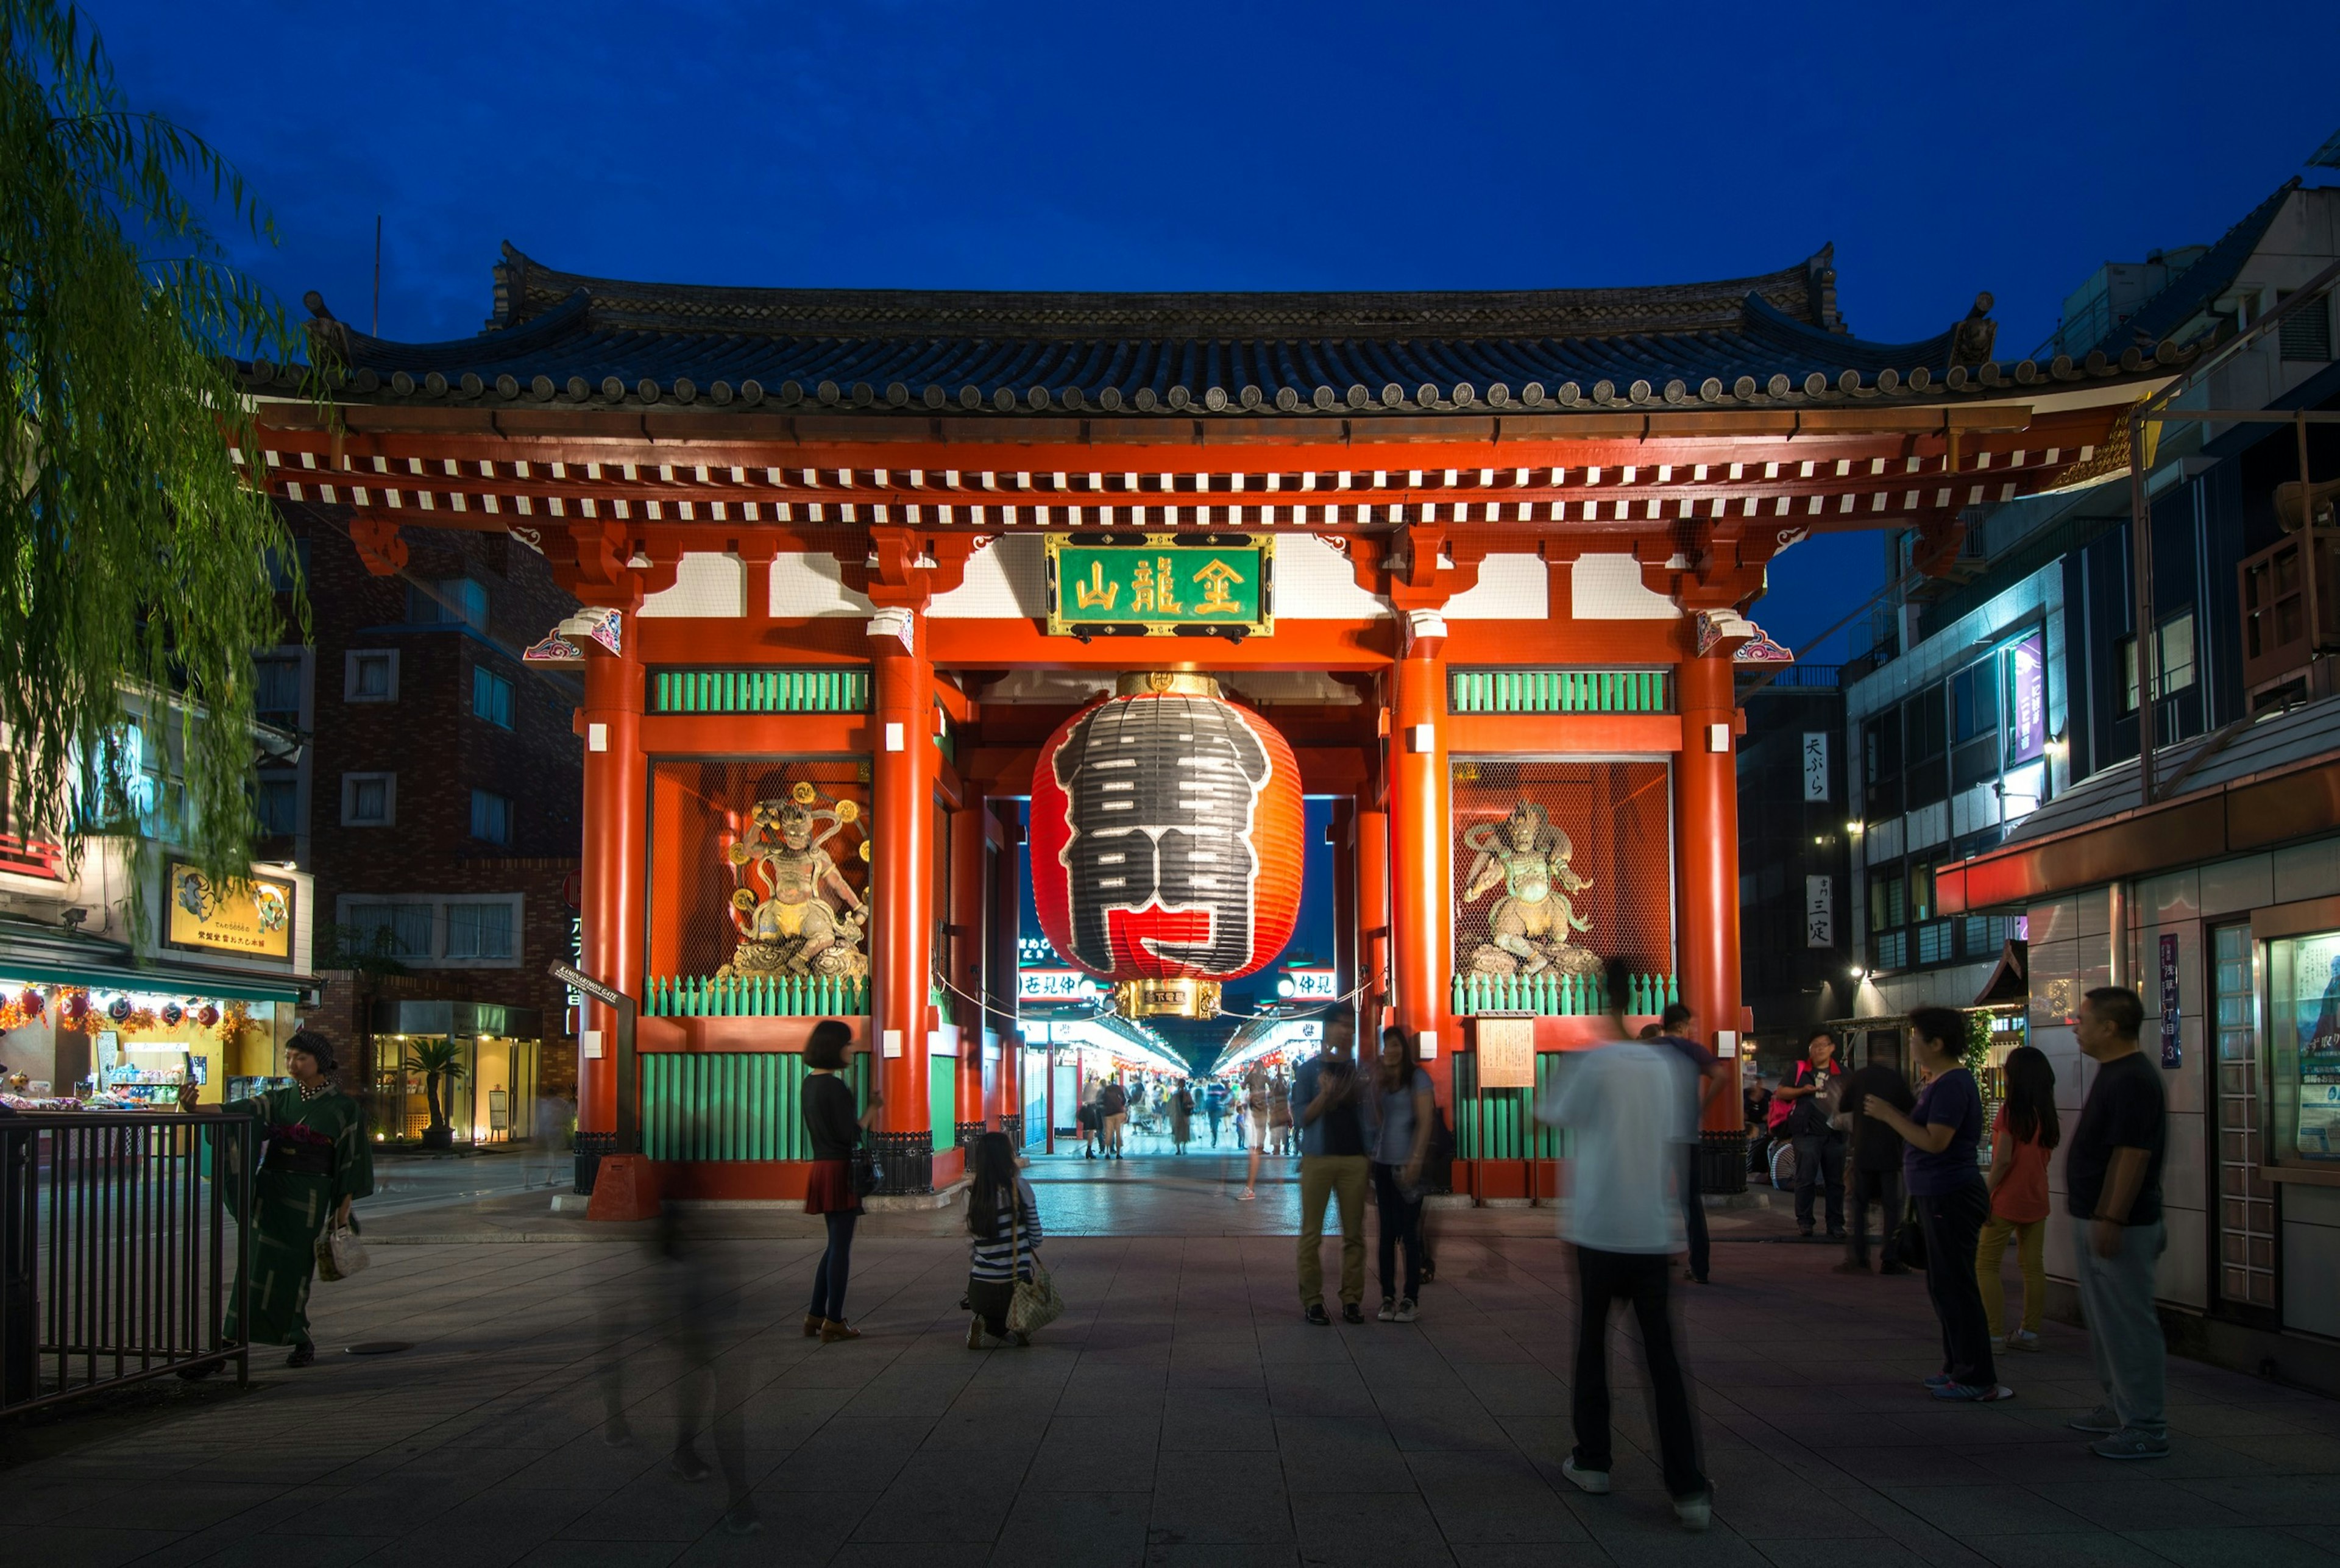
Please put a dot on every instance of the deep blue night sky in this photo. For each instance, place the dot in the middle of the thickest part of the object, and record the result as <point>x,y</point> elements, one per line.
<point>2012,147</point>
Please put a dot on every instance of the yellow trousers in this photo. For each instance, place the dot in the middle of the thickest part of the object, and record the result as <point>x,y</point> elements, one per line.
<point>2030,1258</point>
<point>1323,1177</point>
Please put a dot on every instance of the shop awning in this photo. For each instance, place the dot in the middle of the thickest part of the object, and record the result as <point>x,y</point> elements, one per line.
<point>50,962</point>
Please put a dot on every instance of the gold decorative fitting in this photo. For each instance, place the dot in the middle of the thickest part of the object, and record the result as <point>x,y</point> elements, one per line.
<point>849,810</point>
<point>1183,997</point>
<point>803,793</point>
<point>1165,682</point>
<point>865,849</point>
<point>741,899</point>
<point>737,854</point>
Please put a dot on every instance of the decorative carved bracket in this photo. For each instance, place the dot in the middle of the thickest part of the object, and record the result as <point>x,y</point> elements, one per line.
<point>588,560</point>
<point>380,548</point>
<point>905,569</point>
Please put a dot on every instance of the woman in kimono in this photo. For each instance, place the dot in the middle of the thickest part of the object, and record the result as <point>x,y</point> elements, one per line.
<point>317,1162</point>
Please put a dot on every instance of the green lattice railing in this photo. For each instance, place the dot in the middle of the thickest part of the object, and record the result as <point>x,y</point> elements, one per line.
<point>759,691</point>
<point>1559,692</point>
<point>1555,996</point>
<point>755,996</point>
<point>1500,1123</point>
<point>727,1105</point>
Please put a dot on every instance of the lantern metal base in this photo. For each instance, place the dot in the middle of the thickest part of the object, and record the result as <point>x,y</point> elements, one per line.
<point>1180,999</point>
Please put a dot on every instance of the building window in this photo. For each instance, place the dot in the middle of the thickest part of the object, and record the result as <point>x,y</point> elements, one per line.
<point>368,799</point>
<point>491,816</point>
<point>2176,653</point>
<point>1925,729</point>
<point>370,675</point>
<point>1934,942</point>
<point>2306,333</point>
<point>491,697</point>
<point>287,572</point>
<point>479,931</point>
<point>1888,905</point>
<point>389,931</point>
<point>276,687</point>
<point>1890,951</point>
<point>1880,757</point>
<point>452,600</point>
<point>277,803</point>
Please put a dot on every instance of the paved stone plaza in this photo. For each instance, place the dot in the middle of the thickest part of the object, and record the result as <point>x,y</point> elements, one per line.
<point>1181,1413</point>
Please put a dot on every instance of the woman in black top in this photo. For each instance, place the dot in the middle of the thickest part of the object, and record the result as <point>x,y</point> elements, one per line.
<point>835,1130</point>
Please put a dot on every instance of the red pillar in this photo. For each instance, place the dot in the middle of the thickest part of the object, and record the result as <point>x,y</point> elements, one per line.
<point>1706,851</point>
<point>1371,830</point>
<point>968,929</point>
<point>1418,852</point>
<point>1340,834</point>
<point>612,903</point>
<point>901,879</point>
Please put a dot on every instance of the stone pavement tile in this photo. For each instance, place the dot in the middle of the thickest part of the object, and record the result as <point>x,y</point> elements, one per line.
<point>1096,1454</point>
<point>2129,1503</point>
<point>1216,1366</point>
<point>1839,1552</point>
<point>1894,1468</point>
<point>65,1547</point>
<point>1508,1388</point>
<point>799,1527</point>
<point>942,1497</point>
<point>1218,1497</point>
<point>2068,1459</point>
<point>2075,1549</point>
<point>1320,1389</point>
<point>2002,1510</point>
<point>1105,1528</point>
<point>1446,1422</point>
<point>929,1555</point>
<point>2290,1455</point>
<point>174,1506</point>
<point>1585,1553</point>
<point>601,1555</point>
<point>846,1451</point>
<point>1484,1497</point>
<point>1367,1530</point>
<point>1761,1513</point>
<point>2272,1499</point>
<point>486,1532</point>
<point>1326,1453</point>
<point>660,1507</point>
<point>1018,1430</point>
<point>270,1550</point>
<point>1218,1418</point>
<point>1219,1555</point>
<point>2236,1548</point>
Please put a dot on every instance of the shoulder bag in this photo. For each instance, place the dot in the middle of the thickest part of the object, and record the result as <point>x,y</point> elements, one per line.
<point>1036,1304</point>
<point>869,1172</point>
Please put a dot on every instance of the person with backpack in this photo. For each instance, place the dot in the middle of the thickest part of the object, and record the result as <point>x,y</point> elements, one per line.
<point>1875,1150</point>
<point>1113,1114</point>
<point>1003,1219</point>
<point>2022,1135</point>
<point>1403,1114</point>
<point>1810,1124</point>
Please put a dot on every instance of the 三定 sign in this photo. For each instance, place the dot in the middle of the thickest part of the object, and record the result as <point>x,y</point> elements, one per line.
<point>1819,911</point>
<point>1816,765</point>
<point>253,917</point>
<point>1146,584</point>
<point>1506,1053</point>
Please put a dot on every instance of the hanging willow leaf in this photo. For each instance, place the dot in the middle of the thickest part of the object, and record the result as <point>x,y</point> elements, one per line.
<point>138,564</point>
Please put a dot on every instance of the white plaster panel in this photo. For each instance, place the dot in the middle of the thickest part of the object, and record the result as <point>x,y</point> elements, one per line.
<point>2184,1274</point>
<point>2184,1165</point>
<point>2174,897</point>
<point>1314,582</point>
<point>2314,1207</point>
<point>1610,588</point>
<point>2306,871</point>
<point>2060,1233</point>
<point>806,587</point>
<point>1929,825</point>
<point>2230,886</point>
<point>1007,580</point>
<point>1509,588</point>
<point>1884,839</point>
<point>707,584</point>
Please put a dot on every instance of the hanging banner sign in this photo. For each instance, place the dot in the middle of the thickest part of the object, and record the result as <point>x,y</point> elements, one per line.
<point>2172,1031</point>
<point>1506,1053</point>
<point>1819,911</point>
<point>2027,700</point>
<point>253,917</point>
<point>1146,585</point>
<point>1816,765</point>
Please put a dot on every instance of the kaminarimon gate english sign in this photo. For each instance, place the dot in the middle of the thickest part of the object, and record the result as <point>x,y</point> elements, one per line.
<point>1161,585</point>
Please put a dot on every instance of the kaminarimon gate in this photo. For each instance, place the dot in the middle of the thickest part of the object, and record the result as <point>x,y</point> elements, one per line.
<point>1478,566</point>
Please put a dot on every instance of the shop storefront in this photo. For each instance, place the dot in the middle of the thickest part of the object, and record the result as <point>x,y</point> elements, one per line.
<point>456,1074</point>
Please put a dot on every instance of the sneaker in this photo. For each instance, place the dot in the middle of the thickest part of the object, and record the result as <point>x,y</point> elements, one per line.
<point>1973,1393</point>
<point>742,1521</point>
<point>1596,1482</point>
<point>1246,1196</point>
<point>1695,1512</point>
<point>1804,1231</point>
<point>2128,1443</point>
<point>1315,1315</point>
<point>1405,1312</point>
<point>688,1466</point>
<point>974,1336</point>
<point>1388,1314</point>
<point>1940,1380</point>
<point>2021,1339</point>
<point>2103,1420</point>
<point>1352,1313</point>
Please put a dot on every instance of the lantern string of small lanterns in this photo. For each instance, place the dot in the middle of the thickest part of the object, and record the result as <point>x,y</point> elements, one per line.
<point>994,1004</point>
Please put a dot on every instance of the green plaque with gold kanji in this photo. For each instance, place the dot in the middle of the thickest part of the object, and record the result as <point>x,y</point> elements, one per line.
<point>1159,588</point>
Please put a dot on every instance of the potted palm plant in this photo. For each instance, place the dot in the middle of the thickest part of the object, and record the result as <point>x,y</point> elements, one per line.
<point>439,1061</point>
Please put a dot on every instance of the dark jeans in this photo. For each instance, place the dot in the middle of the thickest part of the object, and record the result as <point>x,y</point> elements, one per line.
<point>1882,1189</point>
<point>829,1279</point>
<point>1820,1160</point>
<point>1639,1278</point>
<point>1953,1223</point>
<point>1694,1216</point>
<point>1401,1221</point>
<point>991,1298</point>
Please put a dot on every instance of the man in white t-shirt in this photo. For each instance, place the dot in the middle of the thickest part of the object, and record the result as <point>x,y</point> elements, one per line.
<point>1627,1107</point>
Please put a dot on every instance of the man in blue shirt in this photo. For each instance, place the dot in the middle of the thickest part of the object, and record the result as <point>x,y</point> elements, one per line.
<point>1328,1103</point>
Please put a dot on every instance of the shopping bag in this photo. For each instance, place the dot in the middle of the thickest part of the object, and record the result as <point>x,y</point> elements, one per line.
<point>339,1253</point>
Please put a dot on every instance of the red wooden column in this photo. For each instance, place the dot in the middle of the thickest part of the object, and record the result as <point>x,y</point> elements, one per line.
<point>1369,829</point>
<point>1706,851</point>
<point>1006,1101</point>
<point>967,929</point>
<point>1340,835</point>
<point>903,771</point>
<point>612,906</point>
<point>1418,852</point>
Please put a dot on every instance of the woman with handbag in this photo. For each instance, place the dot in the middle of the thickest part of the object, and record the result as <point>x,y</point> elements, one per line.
<point>317,1162</point>
<point>834,1129</point>
<point>1003,1218</point>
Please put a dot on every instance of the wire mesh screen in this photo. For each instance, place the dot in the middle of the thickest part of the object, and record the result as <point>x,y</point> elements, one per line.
<point>1559,866</point>
<point>758,879</point>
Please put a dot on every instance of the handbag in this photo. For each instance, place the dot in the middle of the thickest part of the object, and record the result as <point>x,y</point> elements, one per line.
<point>868,1173</point>
<point>339,1253</point>
<point>1036,1304</point>
<point>1908,1246</point>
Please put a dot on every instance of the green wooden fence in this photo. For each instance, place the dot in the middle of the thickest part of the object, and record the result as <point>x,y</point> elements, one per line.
<point>1559,692</point>
<point>1555,996</point>
<point>755,996</point>
<point>728,1106</point>
<point>1500,1123</point>
<point>841,690</point>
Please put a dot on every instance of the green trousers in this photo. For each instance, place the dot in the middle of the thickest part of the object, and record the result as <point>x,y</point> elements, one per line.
<point>1322,1176</point>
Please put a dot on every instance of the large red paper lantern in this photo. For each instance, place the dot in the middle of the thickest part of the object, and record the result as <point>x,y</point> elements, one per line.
<point>1166,834</point>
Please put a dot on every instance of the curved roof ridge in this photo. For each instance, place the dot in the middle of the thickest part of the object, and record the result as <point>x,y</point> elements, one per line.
<point>527,289</point>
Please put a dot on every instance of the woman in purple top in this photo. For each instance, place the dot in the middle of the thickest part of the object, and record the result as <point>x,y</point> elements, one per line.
<point>1939,1170</point>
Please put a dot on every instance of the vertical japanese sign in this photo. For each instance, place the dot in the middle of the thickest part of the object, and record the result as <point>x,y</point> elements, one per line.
<point>2027,700</point>
<point>1816,765</point>
<point>2172,1050</point>
<point>1819,911</point>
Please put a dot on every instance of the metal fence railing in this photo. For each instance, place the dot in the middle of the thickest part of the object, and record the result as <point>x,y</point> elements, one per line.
<point>119,1255</point>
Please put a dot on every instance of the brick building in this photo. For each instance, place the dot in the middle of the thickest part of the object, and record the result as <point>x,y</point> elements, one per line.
<point>437,805</point>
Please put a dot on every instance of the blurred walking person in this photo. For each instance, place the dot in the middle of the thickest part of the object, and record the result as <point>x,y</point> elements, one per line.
<point>2112,1185</point>
<point>1328,1103</point>
<point>834,1128</point>
<point>1182,1117</point>
<point>1943,1132</point>
<point>2022,1135</point>
<point>1254,1111</point>
<point>1403,1114</point>
<point>1003,1217</point>
<point>1628,1104</point>
<point>1873,1149</point>
<point>1677,1031</point>
<point>1113,1113</point>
